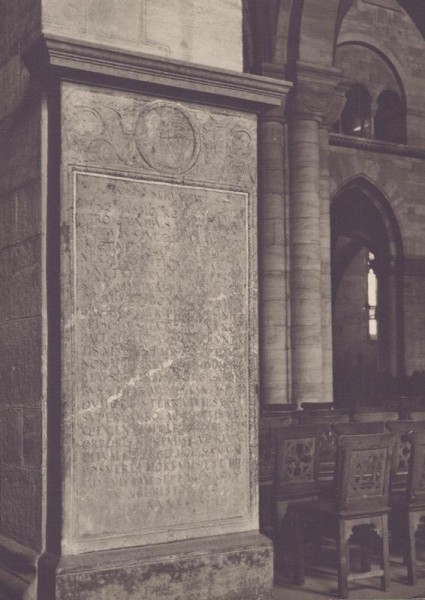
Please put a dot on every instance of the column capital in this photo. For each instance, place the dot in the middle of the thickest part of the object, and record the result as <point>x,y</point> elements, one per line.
<point>319,93</point>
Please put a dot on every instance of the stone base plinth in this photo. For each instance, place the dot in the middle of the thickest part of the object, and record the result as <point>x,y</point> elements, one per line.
<point>230,567</point>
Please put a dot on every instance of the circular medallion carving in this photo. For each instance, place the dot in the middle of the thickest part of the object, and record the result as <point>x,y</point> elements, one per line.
<point>87,123</point>
<point>166,138</point>
<point>240,143</point>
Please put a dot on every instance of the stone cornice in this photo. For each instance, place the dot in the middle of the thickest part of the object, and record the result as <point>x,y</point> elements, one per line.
<point>77,61</point>
<point>370,145</point>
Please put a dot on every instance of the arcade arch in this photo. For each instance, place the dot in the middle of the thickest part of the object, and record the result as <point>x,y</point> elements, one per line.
<point>365,236</point>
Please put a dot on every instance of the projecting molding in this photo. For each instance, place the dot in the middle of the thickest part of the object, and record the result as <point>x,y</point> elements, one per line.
<point>76,61</point>
<point>375,146</point>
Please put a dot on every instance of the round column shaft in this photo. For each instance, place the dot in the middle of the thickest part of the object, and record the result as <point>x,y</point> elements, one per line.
<point>304,225</point>
<point>273,264</point>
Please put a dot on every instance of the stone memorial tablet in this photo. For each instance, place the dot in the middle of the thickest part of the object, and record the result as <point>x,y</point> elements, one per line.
<point>160,317</point>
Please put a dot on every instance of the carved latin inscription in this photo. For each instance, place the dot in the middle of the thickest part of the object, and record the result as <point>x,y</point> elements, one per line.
<point>161,355</point>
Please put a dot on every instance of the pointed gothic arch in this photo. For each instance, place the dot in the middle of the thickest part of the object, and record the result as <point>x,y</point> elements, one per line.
<point>363,222</point>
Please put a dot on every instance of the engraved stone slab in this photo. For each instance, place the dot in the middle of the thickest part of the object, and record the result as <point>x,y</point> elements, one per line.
<point>159,339</point>
<point>161,352</point>
<point>166,138</point>
<point>138,134</point>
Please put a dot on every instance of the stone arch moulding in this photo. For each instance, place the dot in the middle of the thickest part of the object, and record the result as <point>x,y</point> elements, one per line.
<point>385,53</point>
<point>393,255</point>
<point>353,77</point>
<point>381,202</point>
<point>301,21</point>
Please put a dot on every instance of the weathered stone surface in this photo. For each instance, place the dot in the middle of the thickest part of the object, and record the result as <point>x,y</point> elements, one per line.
<point>25,280</point>
<point>20,158</point>
<point>114,131</point>
<point>206,570</point>
<point>20,214</point>
<point>161,352</point>
<point>20,361</point>
<point>31,438</point>
<point>20,505</point>
<point>11,436</point>
<point>159,328</point>
<point>20,289</point>
<point>192,30</point>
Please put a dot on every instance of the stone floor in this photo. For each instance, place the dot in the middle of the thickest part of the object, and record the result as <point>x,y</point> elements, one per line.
<point>321,583</point>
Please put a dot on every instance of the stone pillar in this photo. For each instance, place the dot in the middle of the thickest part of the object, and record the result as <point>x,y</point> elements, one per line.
<point>304,226</point>
<point>317,100</point>
<point>129,346</point>
<point>273,267</point>
<point>326,283</point>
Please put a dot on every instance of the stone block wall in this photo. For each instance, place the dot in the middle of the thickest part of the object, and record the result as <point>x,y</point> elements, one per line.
<point>159,271</point>
<point>384,25</point>
<point>21,247</point>
<point>196,31</point>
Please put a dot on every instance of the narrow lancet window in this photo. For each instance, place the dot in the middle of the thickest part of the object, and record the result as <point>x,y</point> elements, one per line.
<point>372,297</point>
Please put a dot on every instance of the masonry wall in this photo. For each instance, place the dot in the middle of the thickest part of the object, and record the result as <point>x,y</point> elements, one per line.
<point>196,31</point>
<point>21,380</point>
<point>384,25</point>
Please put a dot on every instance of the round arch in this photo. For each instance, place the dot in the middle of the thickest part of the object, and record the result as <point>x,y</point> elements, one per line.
<point>385,53</point>
<point>365,232</point>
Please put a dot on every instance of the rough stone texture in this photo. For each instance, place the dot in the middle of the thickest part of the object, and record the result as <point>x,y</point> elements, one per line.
<point>197,31</point>
<point>195,572</point>
<point>20,272</point>
<point>159,320</point>
<point>20,502</point>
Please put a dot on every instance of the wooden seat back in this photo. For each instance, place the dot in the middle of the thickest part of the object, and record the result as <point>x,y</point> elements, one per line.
<point>277,409</point>
<point>402,451</point>
<point>417,415</point>
<point>317,406</point>
<point>373,416</point>
<point>324,412</point>
<point>268,443</point>
<point>327,440</point>
<point>416,481</point>
<point>363,473</point>
<point>297,462</point>
<point>361,428</point>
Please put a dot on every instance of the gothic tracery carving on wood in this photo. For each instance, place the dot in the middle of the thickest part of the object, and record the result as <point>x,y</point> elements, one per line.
<point>298,459</point>
<point>367,473</point>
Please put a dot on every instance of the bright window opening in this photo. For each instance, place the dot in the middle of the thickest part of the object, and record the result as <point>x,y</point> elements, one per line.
<point>356,117</point>
<point>372,297</point>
